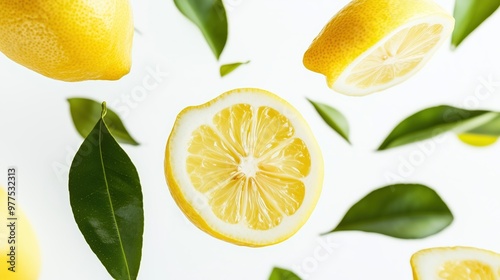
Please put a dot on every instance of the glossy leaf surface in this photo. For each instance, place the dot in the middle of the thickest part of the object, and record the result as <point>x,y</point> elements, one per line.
<point>106,199</point>
<point>408,211</point>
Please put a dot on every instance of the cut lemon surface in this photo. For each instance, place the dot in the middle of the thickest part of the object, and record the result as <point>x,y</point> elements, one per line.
<point>244,167</point>
<point>455,263</point>
<point>371,45</point>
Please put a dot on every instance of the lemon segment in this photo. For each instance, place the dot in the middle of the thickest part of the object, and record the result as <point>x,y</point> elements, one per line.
<point>455,263</point>
<point>69,40</point>
<point>371,45</point>
<point>244,167</point>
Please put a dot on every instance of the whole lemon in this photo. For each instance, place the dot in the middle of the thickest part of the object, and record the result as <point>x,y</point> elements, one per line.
<point>19,250</point>
<point>69,40</point>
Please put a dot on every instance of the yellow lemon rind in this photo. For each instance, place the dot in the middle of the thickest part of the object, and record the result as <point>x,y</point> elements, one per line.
<point>477,140</point>
<point>69,41</point>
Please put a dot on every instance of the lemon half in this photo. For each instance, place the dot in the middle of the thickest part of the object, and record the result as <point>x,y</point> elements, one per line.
<point>455,263</point>
<point>244,167</point>
<point>371,45</point>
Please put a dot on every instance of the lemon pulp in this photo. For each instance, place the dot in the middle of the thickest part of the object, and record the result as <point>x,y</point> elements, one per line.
<point>466,270</point>
<point>397,57</point>
<point>244,167</point>
<point>455,263</point>
<point>250,166</point>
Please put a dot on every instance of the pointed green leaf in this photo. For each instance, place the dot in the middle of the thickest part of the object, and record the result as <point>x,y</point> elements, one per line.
<point>433,121</point>
<point>491,128</point>
<point>408,211</point>
<point>469,14</point>
<point>106,199</point>
<point>333,118</point>
<point>228,68</point>
<point>210,17</point>
<point>282,274</point>
<point>86,112</point>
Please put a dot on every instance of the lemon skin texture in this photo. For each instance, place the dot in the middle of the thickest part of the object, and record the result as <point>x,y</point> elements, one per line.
<point>68,40</point>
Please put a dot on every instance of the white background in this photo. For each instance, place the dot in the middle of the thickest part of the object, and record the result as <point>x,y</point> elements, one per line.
<point>37,136</point>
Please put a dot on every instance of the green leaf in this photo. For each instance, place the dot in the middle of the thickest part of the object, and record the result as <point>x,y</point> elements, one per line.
<point>408,211</point>
<point>86,112</point>
<point>433,121</point>
<point>469,14</point>
<point>491,128</point>
<point>282,274</point>
<point>333,118</point>
<point>106,199</point>
<point>210,17</point>
<point>482,136</point>
<point>228,68</point>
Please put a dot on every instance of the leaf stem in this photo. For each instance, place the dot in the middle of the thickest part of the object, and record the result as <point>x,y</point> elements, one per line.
<point>104,109</point>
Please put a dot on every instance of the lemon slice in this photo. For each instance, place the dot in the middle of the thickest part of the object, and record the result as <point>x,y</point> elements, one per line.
<point>244,167</point>
<point>371,45</point>
<point>455,263</point>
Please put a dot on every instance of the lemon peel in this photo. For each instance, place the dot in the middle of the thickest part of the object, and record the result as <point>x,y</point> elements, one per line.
<point>68,40</point>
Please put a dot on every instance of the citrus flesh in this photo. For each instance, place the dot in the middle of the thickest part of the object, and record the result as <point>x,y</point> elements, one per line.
<point>371,45</point>
<point>68,40</point>
<point>477,139</point>
<point>455,263</point>
<point>27,252</point>
<point>244,167</point>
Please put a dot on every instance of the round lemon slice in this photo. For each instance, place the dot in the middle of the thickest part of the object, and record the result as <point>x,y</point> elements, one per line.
<point>244,167</point>
<point>453,263</point>
<point>371,45</point>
